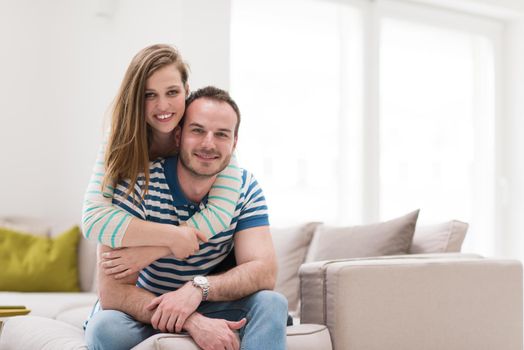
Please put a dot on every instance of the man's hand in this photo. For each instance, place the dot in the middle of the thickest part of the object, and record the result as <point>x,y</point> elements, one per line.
<point>173,308</point>
<point>123,262</point>
<point>214,333</point>
<point>185,241</point>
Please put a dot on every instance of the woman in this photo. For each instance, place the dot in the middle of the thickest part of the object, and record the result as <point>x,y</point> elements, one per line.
<point>147,108</point>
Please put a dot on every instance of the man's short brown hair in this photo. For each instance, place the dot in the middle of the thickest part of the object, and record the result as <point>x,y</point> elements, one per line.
<point>215,94</point>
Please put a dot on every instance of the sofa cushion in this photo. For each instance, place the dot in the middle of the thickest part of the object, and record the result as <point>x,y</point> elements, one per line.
<point>34,332</point>
<point>291,245</point>
<point>75,315</point>
<point>446,237</point>
<point>308,336</point>
<point>386,238</point>
<point>34,263</point>
<point>301,337</point>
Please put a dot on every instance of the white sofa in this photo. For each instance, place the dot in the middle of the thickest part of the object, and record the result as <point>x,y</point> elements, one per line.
<point>415,301</point>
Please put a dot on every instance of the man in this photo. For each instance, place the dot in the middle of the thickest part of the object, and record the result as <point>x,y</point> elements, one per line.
<point>174,295</point>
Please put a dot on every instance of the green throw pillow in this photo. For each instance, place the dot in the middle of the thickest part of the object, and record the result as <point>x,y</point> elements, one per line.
<point>37,263</point>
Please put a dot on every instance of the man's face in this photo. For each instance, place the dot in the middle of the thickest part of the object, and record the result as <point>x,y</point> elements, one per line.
<point>207,141</point>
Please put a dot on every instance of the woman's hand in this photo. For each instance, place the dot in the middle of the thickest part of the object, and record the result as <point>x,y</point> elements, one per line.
<point>182,241</point>
<point>186,241</point>
<point>122,262</point>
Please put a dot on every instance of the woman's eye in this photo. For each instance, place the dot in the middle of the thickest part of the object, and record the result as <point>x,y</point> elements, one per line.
<point>172,92</point>
<point>149,95</point>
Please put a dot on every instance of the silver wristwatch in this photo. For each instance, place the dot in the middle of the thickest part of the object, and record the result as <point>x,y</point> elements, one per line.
<point>202,283</point>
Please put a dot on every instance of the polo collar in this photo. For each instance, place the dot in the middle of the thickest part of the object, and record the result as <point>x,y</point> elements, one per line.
<point>170,172</point>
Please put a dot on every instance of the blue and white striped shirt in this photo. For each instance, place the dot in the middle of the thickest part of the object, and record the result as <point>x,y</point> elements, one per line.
<point>166,203</point>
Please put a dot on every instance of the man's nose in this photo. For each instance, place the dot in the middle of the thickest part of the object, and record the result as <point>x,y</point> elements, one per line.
<point>208,140</point>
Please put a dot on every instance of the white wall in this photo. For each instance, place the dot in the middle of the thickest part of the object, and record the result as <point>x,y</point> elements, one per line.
<point>60,66</point>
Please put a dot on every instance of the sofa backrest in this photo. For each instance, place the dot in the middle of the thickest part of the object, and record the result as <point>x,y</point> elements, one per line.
<point>292,246</point>
<point>87,265</point>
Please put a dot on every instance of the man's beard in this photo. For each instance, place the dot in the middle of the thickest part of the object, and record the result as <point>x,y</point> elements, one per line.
<point>185,158</point>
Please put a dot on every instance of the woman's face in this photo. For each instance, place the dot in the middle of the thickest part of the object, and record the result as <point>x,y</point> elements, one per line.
<point>165,99</point>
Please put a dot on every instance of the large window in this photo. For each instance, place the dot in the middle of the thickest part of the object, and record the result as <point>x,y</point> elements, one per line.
<point>357,111</point>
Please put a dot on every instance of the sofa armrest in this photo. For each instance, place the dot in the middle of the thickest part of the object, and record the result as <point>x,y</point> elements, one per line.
<point>436,301</point>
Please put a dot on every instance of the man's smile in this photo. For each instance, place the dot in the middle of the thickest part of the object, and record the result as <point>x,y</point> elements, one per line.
<point>206,155</point>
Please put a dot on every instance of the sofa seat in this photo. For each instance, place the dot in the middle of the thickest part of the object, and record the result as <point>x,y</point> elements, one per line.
<point>300,337</point>
<point>50,334</point>
<point>56,322</point>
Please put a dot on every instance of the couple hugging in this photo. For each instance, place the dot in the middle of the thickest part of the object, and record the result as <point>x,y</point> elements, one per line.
<point>184,233</point>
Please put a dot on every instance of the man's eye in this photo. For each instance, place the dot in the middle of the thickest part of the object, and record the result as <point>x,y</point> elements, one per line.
<point>198,131</point>
<point>222,135</point>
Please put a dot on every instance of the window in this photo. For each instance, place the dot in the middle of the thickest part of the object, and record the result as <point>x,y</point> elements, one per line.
<point>359,111</point>
<point>296,74</point>
<point>437,112</point>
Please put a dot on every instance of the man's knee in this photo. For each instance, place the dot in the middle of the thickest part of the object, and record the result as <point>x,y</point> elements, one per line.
<point>105,329</point>
<point>266,322</point>
<point>271,301</point>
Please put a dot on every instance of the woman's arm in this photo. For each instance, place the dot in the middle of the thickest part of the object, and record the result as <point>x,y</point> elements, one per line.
<point>101,221</point>
<point>222,202</point>
<point>124,262</point>
<point>112,226</point>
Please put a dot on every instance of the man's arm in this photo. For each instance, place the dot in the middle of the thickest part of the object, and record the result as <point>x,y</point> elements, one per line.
<point>256,271</point>
<point>123,295</point>
<point>256,267</point>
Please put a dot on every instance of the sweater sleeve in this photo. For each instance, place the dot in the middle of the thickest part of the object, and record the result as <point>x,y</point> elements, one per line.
<point>222,202</point>
<point>106,223</point>
<point>101,220</point>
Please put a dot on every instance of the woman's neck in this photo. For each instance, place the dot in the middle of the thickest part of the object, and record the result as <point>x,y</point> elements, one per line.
<point>162,145</point>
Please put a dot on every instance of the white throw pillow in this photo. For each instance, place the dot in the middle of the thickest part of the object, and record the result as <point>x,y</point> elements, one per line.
<point>386,238</point>
<point>291,246</point>
<point>446,237</point>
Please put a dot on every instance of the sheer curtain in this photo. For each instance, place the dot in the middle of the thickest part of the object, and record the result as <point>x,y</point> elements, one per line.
<point>296,73</point>
<point>356,111</point>
<point>437,113</point>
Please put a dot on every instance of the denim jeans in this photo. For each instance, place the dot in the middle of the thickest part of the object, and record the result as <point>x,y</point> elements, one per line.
<point>265,311</point>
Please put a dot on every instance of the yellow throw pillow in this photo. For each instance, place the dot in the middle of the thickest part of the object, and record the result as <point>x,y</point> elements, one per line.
<point>39,264</point>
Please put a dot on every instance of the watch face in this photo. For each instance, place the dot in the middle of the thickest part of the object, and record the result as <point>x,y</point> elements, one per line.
<point>200,280</point>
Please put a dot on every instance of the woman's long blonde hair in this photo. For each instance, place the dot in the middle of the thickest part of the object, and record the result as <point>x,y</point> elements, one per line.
<point>127,151</point>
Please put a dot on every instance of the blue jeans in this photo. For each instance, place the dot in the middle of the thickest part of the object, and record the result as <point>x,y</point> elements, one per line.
<point>265,311</point>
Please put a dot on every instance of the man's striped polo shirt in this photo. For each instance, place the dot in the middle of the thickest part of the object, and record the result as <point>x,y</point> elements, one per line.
<point>166,203</point>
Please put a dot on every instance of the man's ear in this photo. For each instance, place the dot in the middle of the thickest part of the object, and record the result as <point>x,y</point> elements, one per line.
<point>235,143</point>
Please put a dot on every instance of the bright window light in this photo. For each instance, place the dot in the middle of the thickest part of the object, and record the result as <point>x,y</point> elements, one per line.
<point>436,125</point>
<point>296,74</point>
<point>356,111</point>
